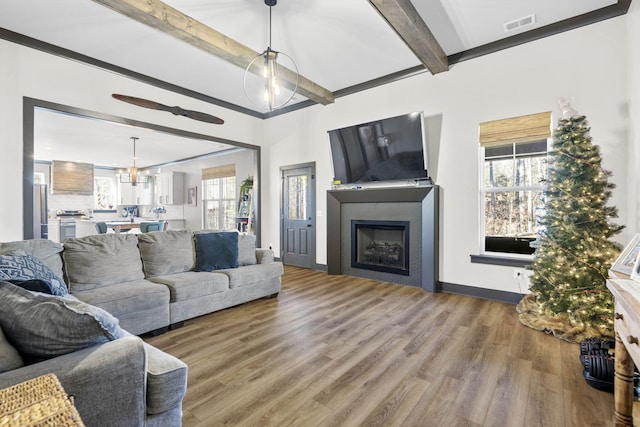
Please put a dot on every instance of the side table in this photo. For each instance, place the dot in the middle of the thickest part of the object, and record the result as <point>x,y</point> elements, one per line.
<point>626,293</point>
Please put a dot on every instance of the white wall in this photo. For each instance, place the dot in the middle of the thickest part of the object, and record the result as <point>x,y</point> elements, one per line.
<point>244,161</point>
<point>30,73</point>
<point>633,57</point>
<point>588,64</point>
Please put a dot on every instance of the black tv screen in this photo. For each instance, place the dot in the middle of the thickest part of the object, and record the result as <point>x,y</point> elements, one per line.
<point>383,150</point>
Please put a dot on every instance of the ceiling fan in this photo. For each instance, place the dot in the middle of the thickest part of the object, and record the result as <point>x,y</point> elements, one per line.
<point>177,111</point>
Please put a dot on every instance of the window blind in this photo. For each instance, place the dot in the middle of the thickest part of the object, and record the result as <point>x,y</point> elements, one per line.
<point>529,128</point>
<point>218,172</point>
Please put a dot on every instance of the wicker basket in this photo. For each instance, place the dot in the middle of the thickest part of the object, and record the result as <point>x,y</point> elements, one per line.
<point>38,402</point>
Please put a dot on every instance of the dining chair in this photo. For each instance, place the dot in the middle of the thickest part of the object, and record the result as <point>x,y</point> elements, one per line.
<point>101,227</point>
<point>146,227</point>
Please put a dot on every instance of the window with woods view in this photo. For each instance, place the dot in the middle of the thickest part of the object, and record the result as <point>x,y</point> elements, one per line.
<point>512,190</point>
<point>220,203</point>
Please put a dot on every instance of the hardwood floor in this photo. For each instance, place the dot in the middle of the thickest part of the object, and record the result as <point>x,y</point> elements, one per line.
<point>344,351</point>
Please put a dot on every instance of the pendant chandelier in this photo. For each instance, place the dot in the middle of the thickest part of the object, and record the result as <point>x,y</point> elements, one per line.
<point>132,177</point>
<point>270,72</point>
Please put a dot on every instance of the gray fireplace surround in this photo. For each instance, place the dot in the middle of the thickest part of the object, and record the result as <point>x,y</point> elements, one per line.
<point>416,205</point>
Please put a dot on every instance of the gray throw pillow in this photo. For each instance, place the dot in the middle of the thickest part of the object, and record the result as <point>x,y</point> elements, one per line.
<point>9,357</point>
<point>166,253</point>
<point>44,326</point>
<point>29,272</point>
<point>47,251</point>
<point>100,260</point>
<point>246,249</point>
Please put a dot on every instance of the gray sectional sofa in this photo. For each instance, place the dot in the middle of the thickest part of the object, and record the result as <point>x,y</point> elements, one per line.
<point>148,280</point>
<point>131,285</point>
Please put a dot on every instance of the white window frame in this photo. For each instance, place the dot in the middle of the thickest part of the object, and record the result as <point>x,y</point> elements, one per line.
<point>113,195</point>
<point>221,200</point>
<point>481,202</point>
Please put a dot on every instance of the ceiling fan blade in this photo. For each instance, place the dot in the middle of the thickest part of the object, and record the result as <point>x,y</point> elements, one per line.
<point>177,111</point>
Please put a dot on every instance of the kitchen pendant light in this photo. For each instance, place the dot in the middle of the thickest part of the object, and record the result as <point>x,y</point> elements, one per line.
<point>133,178</point>
<point>275,92</point>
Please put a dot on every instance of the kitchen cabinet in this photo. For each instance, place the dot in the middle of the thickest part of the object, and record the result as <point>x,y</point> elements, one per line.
<point>170,188</point>
<point>141,194</point>
<point>144,192</point>
<point>54,230</point>
<point>85,228</point>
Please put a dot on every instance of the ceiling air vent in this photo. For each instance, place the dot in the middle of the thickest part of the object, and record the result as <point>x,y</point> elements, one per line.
<point>520,23</point>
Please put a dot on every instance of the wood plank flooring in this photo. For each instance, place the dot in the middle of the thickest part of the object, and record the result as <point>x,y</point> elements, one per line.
<point>344,351</point>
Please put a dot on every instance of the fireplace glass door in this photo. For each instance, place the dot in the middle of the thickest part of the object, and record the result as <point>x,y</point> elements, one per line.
<point>380,246</point>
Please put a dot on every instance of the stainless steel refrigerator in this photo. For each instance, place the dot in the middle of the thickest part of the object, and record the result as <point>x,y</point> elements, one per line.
<point>40,212</point>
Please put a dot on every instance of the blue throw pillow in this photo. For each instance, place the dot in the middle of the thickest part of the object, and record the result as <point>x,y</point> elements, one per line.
<point>30,273</point>
<point>215,251</point>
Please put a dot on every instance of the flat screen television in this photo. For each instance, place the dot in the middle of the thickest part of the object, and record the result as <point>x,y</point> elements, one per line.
<point>383,150</point>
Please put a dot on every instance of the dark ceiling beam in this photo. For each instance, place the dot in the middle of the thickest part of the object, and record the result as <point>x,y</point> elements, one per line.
<point>163,17</point>
<point>405,20</point>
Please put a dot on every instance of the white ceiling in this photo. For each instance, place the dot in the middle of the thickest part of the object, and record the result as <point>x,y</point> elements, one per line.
<point>335,43</point>
<point>61,136</point>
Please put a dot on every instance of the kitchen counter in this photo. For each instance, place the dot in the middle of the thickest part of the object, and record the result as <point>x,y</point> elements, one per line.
<point>123,219</point>
<point>54,229</point>
<point>87,227</point>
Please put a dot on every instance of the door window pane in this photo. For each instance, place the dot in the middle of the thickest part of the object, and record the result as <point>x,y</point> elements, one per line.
<point>297,197</point>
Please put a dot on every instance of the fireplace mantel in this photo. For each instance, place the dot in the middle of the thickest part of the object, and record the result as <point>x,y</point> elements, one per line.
<point>378,200</point>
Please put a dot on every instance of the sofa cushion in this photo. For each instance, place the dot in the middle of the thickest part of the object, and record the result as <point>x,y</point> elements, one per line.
<point>216,250</point>
<point>191,284</point>
<point>250,274</point>
<point>46,251</point>
<point>9,357</point>
<point>30,273</point>
<point>124,298</point>
<point>44,326</point>
<point>166,380</point>
<point>103,259</point>
<point>246,249</point>
<point>167,252</point>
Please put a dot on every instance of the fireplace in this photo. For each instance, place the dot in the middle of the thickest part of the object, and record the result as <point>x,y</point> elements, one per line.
<point>408,257</point>
<point>380,246</point>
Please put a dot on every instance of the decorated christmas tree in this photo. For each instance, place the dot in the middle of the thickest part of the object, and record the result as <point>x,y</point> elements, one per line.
<point>573,252</point>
